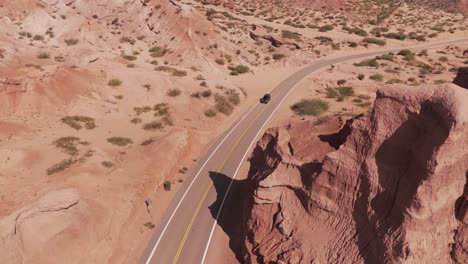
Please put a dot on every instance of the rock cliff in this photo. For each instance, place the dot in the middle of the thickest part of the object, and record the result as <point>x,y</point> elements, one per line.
<point>392,190</point>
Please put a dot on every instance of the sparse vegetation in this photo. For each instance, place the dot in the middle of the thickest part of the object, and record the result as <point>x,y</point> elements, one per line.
<point>210,112</point>
<point>368,63</point>
<point>71,41</point>
<point>174,92</point>
<point>43,55</point>
<point>183,170</point>
<point>312,107</point>
<point>107,164</point>
<point>291,35</point>
<point>67,145</point>
<point>120,141</point>
<point>326,28</point>
<point>167,185</point>
<point>239,69</point>
<point>75,122</point>
<point>149,225</point>
<point>157,51</point>
<point>376,77</point>
<point>61,166</point>
<point>153,125</point>
<point>222,105</point>
<point>114,82</point>
<point>376,41</point>
<point>278,56</point>
<point>148,141</point>
<point>340,92</point>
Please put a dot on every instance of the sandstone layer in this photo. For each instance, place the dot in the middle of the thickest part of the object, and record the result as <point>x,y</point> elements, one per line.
<point>393,191</point>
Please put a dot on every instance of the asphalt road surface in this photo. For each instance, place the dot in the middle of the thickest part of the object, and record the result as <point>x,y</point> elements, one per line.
<point>185,232</point>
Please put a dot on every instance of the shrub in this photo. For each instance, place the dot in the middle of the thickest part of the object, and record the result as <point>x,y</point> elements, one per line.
<point>313,107</point>
<point>119,141</point>
<point>114,82</point>
<point>278,56</point>
<point>179,73</point>
<point>129,57</point>
<point>74,122</point>
<point>136,120</point>
<point>367,63</point>
<point>127,40</point>
<point>376,41</point>
<point>71,41</point>
<point>332,93</point>
<point>352,44</point>
<point>142,109</point>
<point>174,92</point>
<point>326,28</point>
<point>64,164</point>
<point>361,77</point>
<point>183,170</point>
<point>67,144</point>
<point>149,225</point>
<point>43,55</point>
<point>342,91</point>
<point>398,36</point>
<point>222,105</point>
<point>38,37</point>
<point>167,185</point>
<point>153,125</point>
<point>388,57</point>
<point>148,141</point>
<point>107,164</point>
<point>157,51</point>
<point>443,59</point>
<point>407,54</point>
<point>291,35</point>
<point>376,77</point>
<point>219,61</point>
<point>239,69</point>
<point>210,112</point>
<point>206,93</point>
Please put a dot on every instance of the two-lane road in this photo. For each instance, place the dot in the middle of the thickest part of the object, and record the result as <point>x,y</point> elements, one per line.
<point>185,233</point>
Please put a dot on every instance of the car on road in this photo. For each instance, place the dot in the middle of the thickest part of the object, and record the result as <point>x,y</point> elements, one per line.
<point>265,99</point>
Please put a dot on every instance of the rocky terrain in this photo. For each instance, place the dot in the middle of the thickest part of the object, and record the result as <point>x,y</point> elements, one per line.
<point>390,186</point>
<point>96,95</point>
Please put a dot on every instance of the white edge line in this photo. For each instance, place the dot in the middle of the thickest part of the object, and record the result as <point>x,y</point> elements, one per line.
<point>188,188</point>
<point>247,151</point>
<point>241,161</point>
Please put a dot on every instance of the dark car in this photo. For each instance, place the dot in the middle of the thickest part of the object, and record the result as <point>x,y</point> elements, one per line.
<point>265,99</point>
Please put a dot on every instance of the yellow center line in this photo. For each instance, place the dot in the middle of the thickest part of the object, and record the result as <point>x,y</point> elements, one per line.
<point>220,167</point>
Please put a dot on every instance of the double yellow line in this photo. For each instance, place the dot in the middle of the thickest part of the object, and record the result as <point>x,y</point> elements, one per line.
<point>208,188</point>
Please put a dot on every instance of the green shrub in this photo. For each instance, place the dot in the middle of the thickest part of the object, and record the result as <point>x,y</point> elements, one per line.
<point>326,28</point>
<point>174,92</point>
<point>167,185</point>
<point>183,170</point>
<point>408,54</point>
<point>148,141</point>
<point>63,165</point>
<point>398,36</point>
<point>119,141</point>
<point>71,41</point>
<point>376,41</point>
<point>219,61</point>
<point>67,144</point>
<point>278,56</point>
<point>43,55</point>
<point>388,57</point>
<point>368,63</point>
<point>75,122</point>
<point>313,107</point>
<point>376,77</point>
<point>127,40</point>
<point>136,120</point>
<point>239,69</point>
<point>157,51</point>
<point>114,82</point>
<point>342,91</point>
<point>149,225</point>
<point>291,35</point>
<point>38,37</point>
<point>153,125</point>
<point>210,112</point>
<point>142,109</point>
<point>222,105</point>
<point>129,57</point>
<point>107,164</point>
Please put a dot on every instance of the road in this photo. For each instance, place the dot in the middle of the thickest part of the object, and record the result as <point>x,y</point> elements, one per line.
<point>185,232</point>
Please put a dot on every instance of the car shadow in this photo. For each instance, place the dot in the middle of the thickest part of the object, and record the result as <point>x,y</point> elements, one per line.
<point>233,215</point>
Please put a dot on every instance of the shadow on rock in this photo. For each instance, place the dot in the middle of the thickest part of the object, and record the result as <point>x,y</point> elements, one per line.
<point>233,214</point>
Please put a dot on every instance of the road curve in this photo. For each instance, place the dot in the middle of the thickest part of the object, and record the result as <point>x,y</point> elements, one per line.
<point>185,232</point>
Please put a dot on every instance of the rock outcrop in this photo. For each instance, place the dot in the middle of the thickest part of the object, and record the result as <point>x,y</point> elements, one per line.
<point>394,191</point>
<point>462,77</point>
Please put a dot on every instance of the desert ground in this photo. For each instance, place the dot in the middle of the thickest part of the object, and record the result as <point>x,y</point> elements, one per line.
<point>105,105</point>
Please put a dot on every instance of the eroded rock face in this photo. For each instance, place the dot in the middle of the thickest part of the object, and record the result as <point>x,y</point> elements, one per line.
<point>394,191</point>
<point>462,77</point>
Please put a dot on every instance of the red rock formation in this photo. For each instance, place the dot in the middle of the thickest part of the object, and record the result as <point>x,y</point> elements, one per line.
<point>462,77</point>
<point>394,191</point>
